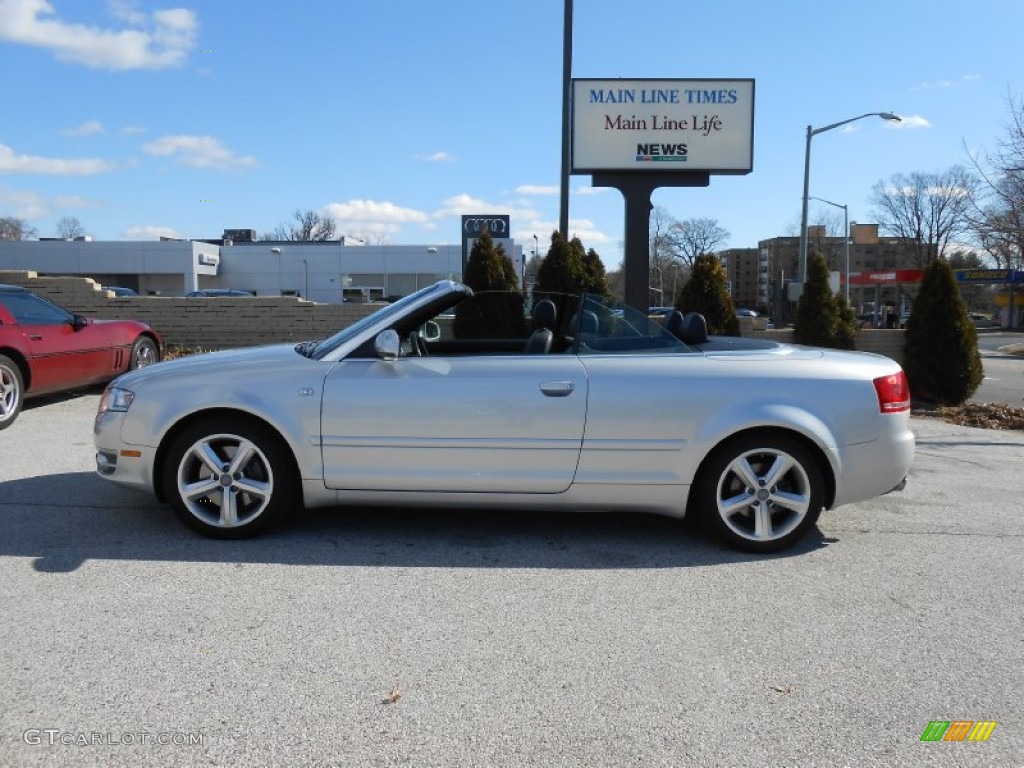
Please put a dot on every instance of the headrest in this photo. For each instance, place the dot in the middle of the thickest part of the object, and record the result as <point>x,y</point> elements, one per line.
<point>545,315</point>
<point>695,328</point>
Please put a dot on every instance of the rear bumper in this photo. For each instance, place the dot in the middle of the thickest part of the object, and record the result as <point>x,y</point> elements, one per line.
<point>874,469</point>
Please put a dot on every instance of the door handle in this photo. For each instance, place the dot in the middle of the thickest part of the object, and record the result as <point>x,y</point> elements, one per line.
<point>557,388</point>
<point>36,336</point>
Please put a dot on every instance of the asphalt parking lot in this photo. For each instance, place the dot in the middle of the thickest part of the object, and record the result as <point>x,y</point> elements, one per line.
<point>356,637</point>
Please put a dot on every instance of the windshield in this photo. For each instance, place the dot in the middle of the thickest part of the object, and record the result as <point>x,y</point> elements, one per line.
<point>382,314</point>
<point>610,328</point>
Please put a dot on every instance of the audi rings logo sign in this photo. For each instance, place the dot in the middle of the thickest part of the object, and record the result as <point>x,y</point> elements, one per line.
<point>472,226</point>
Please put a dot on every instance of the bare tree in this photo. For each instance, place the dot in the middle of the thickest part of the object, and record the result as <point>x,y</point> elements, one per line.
<point>926,211</point>
<point>664,248</point>
<point>12,228</point>
<point>695,237</point>
<point>665,261</point>
<point>69,228</point>
<point>675,246</point>
<point>309,226</point>
<point>998,215</point>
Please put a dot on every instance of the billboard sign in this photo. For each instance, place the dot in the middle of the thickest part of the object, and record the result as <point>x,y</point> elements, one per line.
<point>663,125</point>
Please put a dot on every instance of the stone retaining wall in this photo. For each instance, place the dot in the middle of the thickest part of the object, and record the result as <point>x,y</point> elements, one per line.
<point>202,323</point>
<point>225,322</point>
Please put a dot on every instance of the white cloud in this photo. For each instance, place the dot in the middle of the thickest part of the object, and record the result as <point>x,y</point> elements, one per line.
<point>587,191</point>
<point>88,128</point>
<point>22,204</point>
<point>163,40</point>
<point>199,152</point>
<point>373,219</point>
<point>944,84</point>
<point>131,130</point>
<point>587,232</point>
<point>464,204</point>
<point>151,231</point>
<point>127,11</point>
<point>436,157</point>
<point>537,189</point>
<point>86,166</point>
<point>909,122</point>
<point>374,211</point>
<point>74,201</point>
<point>25,204</point>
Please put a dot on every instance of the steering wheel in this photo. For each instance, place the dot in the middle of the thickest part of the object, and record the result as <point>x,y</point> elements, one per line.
<point>418,344</point>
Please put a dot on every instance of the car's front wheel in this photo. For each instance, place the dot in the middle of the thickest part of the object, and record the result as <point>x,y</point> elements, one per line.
<point>12,391</point>
<point>761,492</point>
<point>228,478</point>
<point>144,352</point>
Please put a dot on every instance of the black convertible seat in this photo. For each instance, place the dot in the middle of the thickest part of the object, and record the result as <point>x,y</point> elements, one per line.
<point>690,328</point>
<point>545,321</point>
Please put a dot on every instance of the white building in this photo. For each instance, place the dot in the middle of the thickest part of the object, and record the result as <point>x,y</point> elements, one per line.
<point>325,272</point>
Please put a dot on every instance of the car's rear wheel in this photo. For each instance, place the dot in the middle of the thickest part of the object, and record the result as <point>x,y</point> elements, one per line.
<point>144,352</point>
<point>227,478</point>
<point>761,492</point>
<point>12,391</point>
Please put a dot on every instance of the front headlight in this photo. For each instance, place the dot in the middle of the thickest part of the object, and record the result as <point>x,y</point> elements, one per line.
<point>116,399</point>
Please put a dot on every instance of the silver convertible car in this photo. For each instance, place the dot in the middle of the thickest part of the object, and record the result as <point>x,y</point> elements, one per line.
<point>448,398</point>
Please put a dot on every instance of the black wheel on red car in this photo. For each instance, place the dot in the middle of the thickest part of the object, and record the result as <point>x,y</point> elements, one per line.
<point>761,492</point>
<point>12,391</point>
<point>229,478</point>
<point>144,352</point>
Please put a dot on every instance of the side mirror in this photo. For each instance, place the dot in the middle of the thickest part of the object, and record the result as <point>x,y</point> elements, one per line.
<point>78,322</point>
<point>431,331</point>
<point>387,345</point>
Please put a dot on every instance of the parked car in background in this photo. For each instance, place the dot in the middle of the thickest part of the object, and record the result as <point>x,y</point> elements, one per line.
<point>207,292</point>
<point>982,321</point>
<point>743,312</point>
<point>119,291</point>
<point>44,349</point>
<point>582,404</point>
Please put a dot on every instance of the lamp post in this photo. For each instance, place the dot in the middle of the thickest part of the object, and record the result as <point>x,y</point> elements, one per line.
<point>812,132</point>
<point>846,242</point>
<point>536,252</point>
<point>661,285</point>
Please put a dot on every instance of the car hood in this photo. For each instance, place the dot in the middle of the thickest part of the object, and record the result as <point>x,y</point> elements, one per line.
<point>239,361</point>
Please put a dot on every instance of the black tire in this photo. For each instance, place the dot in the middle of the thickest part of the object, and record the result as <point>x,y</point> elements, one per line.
<point>257,492</point>
<point>736,492</point>
<point>144,352</point>
<point>12,391</point>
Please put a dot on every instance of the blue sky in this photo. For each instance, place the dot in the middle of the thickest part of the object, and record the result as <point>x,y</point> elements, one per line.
<point>396,117</point>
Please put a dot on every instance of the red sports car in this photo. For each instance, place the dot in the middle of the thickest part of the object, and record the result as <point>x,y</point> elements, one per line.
<point>44,348</point>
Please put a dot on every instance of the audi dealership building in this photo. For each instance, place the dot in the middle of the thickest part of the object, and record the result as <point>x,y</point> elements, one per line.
<point>329,272</point>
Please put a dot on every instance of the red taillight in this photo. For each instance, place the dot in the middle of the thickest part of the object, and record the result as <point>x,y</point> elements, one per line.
<point>893,393</point>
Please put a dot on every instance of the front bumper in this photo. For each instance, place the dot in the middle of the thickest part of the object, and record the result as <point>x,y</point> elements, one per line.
<point>117,461</point>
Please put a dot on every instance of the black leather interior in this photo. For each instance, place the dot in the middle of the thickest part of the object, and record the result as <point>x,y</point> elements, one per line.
<point>545,321</point>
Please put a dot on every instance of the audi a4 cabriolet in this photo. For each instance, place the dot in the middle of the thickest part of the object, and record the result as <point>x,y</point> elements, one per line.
<point>447,398</point>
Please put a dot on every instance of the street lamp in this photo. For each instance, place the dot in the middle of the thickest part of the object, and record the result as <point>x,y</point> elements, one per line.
<point>846,241</point>
<point>811,132</point>
<point>661,285</point>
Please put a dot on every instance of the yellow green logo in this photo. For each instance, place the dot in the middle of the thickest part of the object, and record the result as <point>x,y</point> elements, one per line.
<point>958,730</point>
